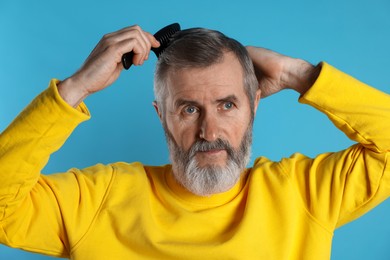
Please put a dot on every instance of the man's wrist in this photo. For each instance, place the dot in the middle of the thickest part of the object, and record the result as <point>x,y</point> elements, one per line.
<point>301,75</point>
<point>70,92</point>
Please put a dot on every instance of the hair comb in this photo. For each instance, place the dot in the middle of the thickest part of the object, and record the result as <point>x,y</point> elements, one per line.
<point>163,36</point>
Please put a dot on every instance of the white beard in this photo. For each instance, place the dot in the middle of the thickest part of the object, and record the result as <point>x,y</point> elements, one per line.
<point>210,179</point>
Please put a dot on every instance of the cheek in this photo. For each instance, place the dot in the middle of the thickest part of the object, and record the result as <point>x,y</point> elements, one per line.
<point>183,132</point>
<point>236,127</point>
<point>236,132</point>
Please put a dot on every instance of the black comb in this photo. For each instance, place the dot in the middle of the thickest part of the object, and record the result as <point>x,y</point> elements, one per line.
<point>163,36</point>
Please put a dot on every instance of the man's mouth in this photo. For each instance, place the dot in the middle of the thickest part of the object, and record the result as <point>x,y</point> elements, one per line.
<point>212,151</point>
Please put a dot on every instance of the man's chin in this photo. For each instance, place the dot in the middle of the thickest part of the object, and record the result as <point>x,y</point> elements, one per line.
<point>210,165</point>
<point>207,178</point>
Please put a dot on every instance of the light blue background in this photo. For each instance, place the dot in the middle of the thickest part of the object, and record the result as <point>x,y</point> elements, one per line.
<point>40,40</point>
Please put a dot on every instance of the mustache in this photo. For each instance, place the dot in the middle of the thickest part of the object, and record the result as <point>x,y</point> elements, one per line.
<point>204,146</point>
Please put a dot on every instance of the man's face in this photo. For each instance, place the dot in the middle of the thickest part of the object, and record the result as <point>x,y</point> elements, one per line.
<point>208,124</point>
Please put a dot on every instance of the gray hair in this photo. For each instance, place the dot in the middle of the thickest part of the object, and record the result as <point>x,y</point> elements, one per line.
<point>200,48</point>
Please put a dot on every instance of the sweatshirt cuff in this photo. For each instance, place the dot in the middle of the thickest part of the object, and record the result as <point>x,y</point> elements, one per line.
<point>332,89</point>
<point>49,111</point>
<point>82,108</point>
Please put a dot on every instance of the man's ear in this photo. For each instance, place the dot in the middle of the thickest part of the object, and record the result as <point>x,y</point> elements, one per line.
<point>157,110</point>
<point>257,100</point>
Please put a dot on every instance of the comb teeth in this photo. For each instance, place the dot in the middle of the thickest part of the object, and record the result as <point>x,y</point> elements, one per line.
<point>164,36</point>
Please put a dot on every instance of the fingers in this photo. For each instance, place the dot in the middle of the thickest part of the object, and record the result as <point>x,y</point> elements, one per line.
<point>130,39</point>
<point>141,48</point>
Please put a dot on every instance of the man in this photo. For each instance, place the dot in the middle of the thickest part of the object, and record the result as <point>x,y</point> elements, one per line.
<point>206,204</point>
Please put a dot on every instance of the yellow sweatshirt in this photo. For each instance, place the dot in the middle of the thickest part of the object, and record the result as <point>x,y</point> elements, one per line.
<point>278,210</point>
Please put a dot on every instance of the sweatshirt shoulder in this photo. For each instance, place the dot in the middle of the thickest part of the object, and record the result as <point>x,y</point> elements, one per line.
<point>283,166</point>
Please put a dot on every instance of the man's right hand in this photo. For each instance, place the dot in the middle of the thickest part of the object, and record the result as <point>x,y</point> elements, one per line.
<point>104,64</point>
<point>276,72</point>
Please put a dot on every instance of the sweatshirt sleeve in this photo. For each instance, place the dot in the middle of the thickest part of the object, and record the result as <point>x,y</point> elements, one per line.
<point>339,187</point>
<point>37,214</point>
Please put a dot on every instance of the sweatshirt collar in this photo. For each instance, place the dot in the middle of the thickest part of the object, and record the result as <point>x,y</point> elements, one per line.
<point>187,197</point>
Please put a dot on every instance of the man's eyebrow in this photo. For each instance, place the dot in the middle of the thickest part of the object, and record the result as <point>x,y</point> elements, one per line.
<point>230,98</point>
<point>185,102</point>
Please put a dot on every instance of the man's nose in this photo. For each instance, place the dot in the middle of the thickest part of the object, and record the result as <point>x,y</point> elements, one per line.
<point>209,129</point>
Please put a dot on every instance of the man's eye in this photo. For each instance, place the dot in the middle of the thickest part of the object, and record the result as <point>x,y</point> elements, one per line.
<point>228,105</point>
<point>190,110</point>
